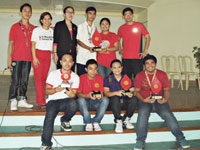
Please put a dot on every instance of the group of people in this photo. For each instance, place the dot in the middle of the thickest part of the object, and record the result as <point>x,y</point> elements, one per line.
<point>99,81</point>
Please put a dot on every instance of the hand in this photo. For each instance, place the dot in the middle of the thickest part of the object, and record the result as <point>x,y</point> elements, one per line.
<point>99,96</point>
<point>55,57</point>
<point>121,51</point>
<point>91,96</point>
<point>59,88</point>
<point>129,94</point>
<point>91,50</point>
<point>69,92</point>
<point>104,49</point>
<point>35,62</point>
<point>119,93</point>
<point>149,100</point>
<point>162,101</point>
<point>143,54</point>
<point>10,63</point>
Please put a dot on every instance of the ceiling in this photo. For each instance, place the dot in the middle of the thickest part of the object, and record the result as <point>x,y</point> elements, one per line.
<point>113,6</point>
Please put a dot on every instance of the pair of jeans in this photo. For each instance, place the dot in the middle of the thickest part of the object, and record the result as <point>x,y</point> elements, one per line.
<point>88,104</point>
<point>104,71</point>
<point>67,105</point>
<point>132,67</point>
<point>81,69</point>
<point>129,105</point>
<point>164,111</point>
<point>19,79</point>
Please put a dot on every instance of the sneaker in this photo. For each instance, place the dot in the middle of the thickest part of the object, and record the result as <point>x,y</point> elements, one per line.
<point>23,103</point>
<point>13,104</point>
<point>97,127</point>
<point>118,127</point>
<point>45,147</point>
<point>89,127</point>
<point>184,143</point>
<point>66,126</point>
<point>128,124</point>
<point>139,145</point>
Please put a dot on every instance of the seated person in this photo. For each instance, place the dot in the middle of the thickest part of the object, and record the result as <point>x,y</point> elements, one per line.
<point>119,99</point>
<point>60,99</point>
<point>88,100</point>
<point>152,90</point>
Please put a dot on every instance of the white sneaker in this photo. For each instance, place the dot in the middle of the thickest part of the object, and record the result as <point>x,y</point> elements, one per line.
<point>89,127</point>
<point>13,104</point>
<point>44,147</point>
<point>97,127</point>
<point>118,127</point>
<point>128,124</point>
<point>23,103</point>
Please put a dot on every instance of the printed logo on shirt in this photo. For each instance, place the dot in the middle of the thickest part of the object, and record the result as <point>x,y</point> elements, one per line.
<point>46,38</point>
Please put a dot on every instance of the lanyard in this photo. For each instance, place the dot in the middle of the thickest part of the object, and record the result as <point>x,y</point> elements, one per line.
<point>26,35</point>
<point>90,33</point>
<point>154,75</point>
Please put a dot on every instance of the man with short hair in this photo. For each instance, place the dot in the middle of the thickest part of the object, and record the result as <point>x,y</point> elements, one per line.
<point>61,88</point>
<point>152,89</point>
<point>132,33</point>
<point>20,57</point>
<point>84,37</point>
<point>88,100</point>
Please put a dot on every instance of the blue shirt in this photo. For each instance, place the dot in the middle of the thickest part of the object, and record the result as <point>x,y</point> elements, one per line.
<point>114,85</point>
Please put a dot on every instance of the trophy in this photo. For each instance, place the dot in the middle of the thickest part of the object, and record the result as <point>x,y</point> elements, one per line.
<point>96,89</point>
<point>65,83</point>
<point>96,40</point>
<point>156,88</point>
<point>126,84</point>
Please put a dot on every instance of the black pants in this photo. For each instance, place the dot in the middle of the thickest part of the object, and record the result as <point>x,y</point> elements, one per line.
<point>81,69</point>
<point>127,104</point>
<point>131,67</point>
<point>19,80</point>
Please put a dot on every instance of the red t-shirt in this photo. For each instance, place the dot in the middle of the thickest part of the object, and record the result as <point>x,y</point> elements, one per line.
<point>132,35</point>
<point>21,51</point>
<point>106,58</point>
<point>141,82</point>
<point>86,85</point>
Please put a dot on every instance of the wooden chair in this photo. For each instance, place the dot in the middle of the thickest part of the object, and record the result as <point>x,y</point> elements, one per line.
<point>169,65</point>
<point>186,69</point>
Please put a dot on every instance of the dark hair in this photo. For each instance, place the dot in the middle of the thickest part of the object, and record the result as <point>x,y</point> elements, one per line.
<point>43,15</point>
<point>127,9</point>
<point>24,5</point>
<point>67,54</point>
<point>114,61</point>
<point>64,10</point>
<point>149,57</point>
<point>91,61</point>
<point>90,9</point>
<point>108,20</point>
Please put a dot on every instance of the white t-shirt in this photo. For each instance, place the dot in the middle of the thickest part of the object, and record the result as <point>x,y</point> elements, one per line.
<point>54,80</point>
<point>43,38</point>
<point>85,32</point>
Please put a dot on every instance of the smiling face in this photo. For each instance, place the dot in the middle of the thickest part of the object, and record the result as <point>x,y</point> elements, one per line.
<point>91,70</point>
<point>105,26</point>
<point>46,21</point>
<point>116,68</point>
<point>150,66</point>
<point>26,13</point>
<point>66,62</point>
<point>69,14</point>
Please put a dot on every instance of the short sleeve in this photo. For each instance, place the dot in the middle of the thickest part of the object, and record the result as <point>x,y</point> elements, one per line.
<point>101,82</point>
<point>119,34</point>
<point>115,38</point>
<point>144,30</point>
<point>78,37</point>
<point>51,79</point>
<point>80,88</point>
<point>34,35</point>
<point>12,34</point>
<point>76,83</point>
<point>106,82</point>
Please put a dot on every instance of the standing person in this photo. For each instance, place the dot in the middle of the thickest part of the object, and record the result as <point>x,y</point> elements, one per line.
<point>131,33</point>
<point>144,81</point>
<point>118,98</point>
<point>59,99</point>
<point>84,37</point>
<point>19,58</point>
<point>42,46</point>
<point>88,100</point>
<point>109,52</point>
<point>65,41</point>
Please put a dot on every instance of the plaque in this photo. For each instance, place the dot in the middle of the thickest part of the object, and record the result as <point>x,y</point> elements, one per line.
<point>65,77</point>
<point>96,40</point>
<point>156,88</point>
<point>96,89</point>
<point>126,84</point>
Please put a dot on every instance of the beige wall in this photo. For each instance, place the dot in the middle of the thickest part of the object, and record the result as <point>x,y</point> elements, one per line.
<point>174,26</point>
